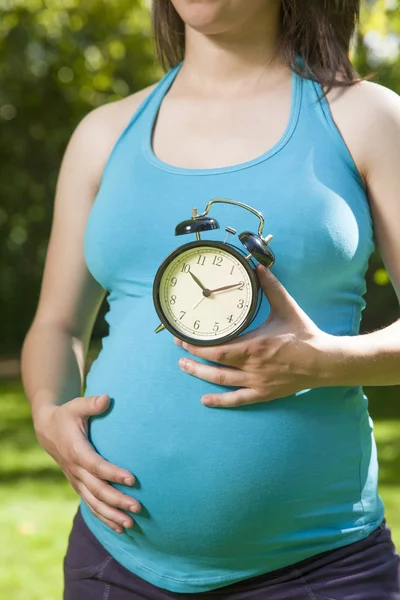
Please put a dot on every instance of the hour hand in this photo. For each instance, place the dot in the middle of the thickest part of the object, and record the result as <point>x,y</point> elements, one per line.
<point>197,280</point>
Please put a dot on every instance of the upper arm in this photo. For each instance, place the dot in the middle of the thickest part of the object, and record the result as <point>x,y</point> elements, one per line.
<point>368,116</point>
<point>382,157</point>
<point>70,297</point>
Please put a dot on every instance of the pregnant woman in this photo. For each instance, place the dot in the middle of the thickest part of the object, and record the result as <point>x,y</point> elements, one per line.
<point>246,469</point>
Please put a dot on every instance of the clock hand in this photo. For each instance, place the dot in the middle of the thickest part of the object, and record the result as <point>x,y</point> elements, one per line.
<point>207,293</point>
<point>197,303</point>
<point>226,287</point>
<point>197,281</point>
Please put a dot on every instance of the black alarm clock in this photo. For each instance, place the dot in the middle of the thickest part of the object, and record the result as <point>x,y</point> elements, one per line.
<point>207,292</point>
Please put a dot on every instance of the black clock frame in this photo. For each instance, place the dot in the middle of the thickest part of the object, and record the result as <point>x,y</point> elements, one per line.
<point>247,264</point>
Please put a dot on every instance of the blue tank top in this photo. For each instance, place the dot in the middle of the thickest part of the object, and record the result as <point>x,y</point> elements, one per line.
<point>231,493</point>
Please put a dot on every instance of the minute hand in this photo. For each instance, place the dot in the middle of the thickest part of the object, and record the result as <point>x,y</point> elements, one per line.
<point>226,287</point>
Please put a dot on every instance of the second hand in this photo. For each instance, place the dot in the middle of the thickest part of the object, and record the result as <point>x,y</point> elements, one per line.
<point>201,300</point>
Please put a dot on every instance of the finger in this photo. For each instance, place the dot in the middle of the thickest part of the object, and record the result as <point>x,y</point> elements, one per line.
<point>91,461</point>
<point>277,295</point>
<point>107,493</point>
<point>81,491</point>
<point>218,375</point>
<point>111,524</point>
<point>225,354</point>
<point>240,397</point>
<point>106,511</point>
<point>87,406</point>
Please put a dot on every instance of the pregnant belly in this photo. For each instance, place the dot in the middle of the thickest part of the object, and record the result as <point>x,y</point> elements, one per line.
<point>208,477</point>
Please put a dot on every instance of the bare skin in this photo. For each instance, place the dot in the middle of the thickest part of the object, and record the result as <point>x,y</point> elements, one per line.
<point>55,348</point>
<point>229,103</point>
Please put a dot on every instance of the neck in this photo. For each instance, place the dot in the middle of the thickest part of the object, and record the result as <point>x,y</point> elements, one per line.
<point>237,57</point>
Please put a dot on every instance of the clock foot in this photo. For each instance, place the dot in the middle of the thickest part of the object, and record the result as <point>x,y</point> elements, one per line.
<point>159,328</point>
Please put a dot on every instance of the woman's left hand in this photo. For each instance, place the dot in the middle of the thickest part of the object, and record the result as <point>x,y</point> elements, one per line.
<point>284,355</point>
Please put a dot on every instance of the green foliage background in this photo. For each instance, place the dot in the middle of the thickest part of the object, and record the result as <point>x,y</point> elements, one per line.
<point>58,60</point>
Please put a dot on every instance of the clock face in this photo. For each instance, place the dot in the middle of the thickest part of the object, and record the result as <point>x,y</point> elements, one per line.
<point>206,292</point>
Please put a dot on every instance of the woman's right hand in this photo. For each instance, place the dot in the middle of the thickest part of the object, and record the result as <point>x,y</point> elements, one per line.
<point>62,431</point>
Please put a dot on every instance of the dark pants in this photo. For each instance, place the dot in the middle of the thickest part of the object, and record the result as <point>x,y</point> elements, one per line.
<point>365,570</point>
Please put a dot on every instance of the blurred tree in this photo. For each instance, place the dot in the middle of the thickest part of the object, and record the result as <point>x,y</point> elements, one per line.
<point>61,58</point>
<point>58,60</point>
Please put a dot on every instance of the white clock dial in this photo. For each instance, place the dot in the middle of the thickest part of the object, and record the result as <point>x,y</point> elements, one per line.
<point>210,313</point>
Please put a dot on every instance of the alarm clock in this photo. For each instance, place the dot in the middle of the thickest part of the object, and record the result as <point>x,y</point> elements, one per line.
<point>207,292</point>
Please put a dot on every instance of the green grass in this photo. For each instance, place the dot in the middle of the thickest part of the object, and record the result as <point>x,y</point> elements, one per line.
<point>37,503</point>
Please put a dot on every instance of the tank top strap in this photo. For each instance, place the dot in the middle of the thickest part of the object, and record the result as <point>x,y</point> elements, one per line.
<point>144,114</point>
<point>152,101</point>
<point>316,116</point>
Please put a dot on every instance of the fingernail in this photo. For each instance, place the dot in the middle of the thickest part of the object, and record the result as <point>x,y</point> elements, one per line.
<point>177,341</point>
<point>134,508</point>
<point>129,481</point>
<point>182,363</point>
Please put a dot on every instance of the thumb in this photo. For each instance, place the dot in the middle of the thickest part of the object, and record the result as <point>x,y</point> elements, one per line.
<point>86,406</point>
<point>277,295</point>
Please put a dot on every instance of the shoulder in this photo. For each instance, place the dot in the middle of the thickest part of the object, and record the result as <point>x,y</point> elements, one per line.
<point>368,114</point>
<point>112,117</point>
<point>378,119</point>
<point>96,134</point>
<point>369,104</point>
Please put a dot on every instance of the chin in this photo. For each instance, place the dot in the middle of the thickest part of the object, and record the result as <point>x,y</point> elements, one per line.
<point>205,16</point>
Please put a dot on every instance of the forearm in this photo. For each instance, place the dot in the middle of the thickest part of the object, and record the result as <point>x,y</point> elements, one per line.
<point>366,359</point>
<point>52,367</point>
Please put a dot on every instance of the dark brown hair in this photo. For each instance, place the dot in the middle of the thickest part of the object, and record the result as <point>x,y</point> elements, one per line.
<point>320,31</point>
